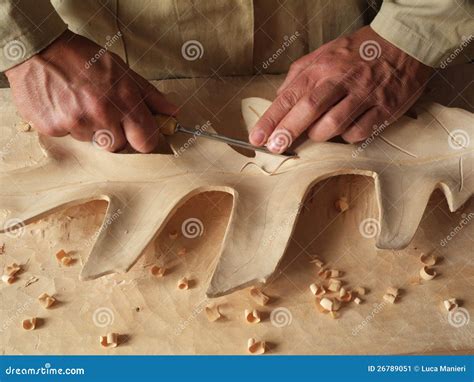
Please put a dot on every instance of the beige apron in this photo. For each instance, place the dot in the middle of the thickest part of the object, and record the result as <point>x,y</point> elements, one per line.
<point>193,38</point>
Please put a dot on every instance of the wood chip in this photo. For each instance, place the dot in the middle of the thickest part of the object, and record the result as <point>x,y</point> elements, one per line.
<point>8,279</point>
<point>322,272</point>
<point>334,285</point>
<point>389,298</point>
<point>450,304</point>
<point>64,258</point>
<point>183,283</point>
<point>346,297</point>
<point>341,204</point>
<point>29,323</point>
<point>335,273</point>
<point>258,296</point>
<point>393,291</point>
<point>428,259</point>
<point>252,316</point>
<point>318,262</point>
<point>46,300</point>
<point>326,303</point>
<point>427,273</point>
<point>30,281</point>
<point>212,312</point>
<point>157,271</point>
<point>360,291</point>
<point>2,249</point>
<point>12,269</point>
<point>358,301</point>
<point>255,347</point>
<point>109,341</point>
<point>173,235</point>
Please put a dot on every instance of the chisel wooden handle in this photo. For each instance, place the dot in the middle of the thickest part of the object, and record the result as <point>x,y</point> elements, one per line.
<point>166,124</point>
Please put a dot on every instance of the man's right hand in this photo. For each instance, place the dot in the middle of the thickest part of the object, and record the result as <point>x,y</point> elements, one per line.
<point>59,91</point>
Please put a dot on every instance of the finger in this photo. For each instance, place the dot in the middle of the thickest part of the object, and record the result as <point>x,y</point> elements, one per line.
<point>308,109</point>
<point>111,139</point>
<point>364,126</point>
<point>140,129</point>
<point>274,114</point>
<point>337,119</point>
<point>154,99</point>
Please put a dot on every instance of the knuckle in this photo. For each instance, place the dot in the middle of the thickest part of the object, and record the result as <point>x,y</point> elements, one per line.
<point>287,99</point>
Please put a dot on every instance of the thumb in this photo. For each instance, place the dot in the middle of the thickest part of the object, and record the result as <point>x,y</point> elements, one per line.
<point>154,99</point>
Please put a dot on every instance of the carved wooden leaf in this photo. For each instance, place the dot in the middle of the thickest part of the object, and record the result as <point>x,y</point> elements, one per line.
<point>408,161</point>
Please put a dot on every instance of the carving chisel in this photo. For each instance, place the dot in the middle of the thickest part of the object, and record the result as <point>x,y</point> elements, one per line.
<point>170,126</point>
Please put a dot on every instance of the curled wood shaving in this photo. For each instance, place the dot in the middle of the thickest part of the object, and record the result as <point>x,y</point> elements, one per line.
<point>173,235</point>
<point>334,285</point>
<point>252,316</point>
<point>30,281</point>
<point>358,301</point>
<point>64,258</point>
<point>450,304</point>
<point>346,297</point>
<point>427,273</point>
<point>8,279</point>
<point>182,251</point>
<point>317,290</point>
<point>389,298</point>
<point>316,261</point>
<point>255,347</point>
<point>46,300</point>
<point>341,204</point>
<point>258,296</point>
<point>212,312</point>
<point>29,323</point>
<point>183,283</point>
<point>11,270</point>
<point>428,259</point>
<point>326,303</point>
<point>393,291</point>
<point>360,291</point>
<point>335,273</point>
<point>157,271</point>
<point>2,249</point>
<point>322,272</point>
<point>109,341</point>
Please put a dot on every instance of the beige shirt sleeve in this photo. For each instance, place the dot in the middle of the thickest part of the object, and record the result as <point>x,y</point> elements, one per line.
<point>26,27</point>
<point>432,31</point>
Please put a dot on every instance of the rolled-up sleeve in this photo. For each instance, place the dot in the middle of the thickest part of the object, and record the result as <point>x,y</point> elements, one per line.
<point>429,30</point>
<point>26,27</point>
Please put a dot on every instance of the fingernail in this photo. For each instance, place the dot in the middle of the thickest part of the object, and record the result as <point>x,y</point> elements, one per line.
<point>257,137</point>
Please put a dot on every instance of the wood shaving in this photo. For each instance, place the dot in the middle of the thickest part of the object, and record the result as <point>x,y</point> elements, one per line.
<point>29,323</point>
<point>255,347</point>
<point>341,204</point>
<point>322,272</point>
<point>427,273</point>
<point>157,271</point>
<point>346,297</point>
<point>182,252</point>
<point>428,259</point>
<point>358,301</point>
<point>8,279</point>
<point>46,300</point>
<point>258,296</point>
<point>393,291</point>
<point>360,291</point>
<point>318,262</point>
<point>335,273</point>
<point>326,303</point>
<point>11,270</point>
<point>109,341</point>
<point>183,283</point>
<point>2,249</point>
<point>173,235</point>
<point>336,305</point>
<point>23,127</point>
<point>252,316</point>
<point>212,312</point>
<point>64,258</point>
<point>389,298</point>
<point>30,281</point>
<point>450,304</point>
<point>334,285</point>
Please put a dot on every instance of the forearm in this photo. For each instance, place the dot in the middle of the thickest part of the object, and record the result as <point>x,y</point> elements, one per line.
<point>26,27</point>
<point>428,30</point>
